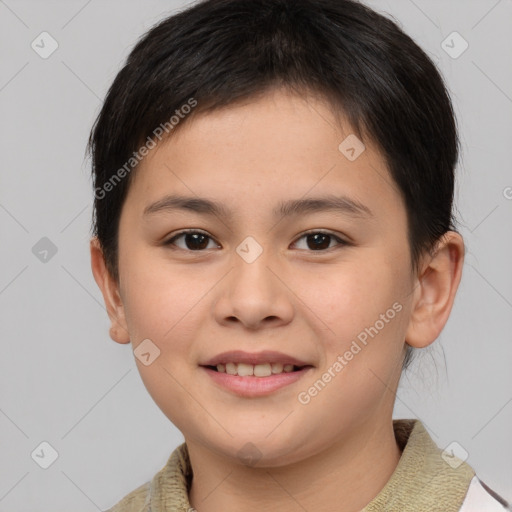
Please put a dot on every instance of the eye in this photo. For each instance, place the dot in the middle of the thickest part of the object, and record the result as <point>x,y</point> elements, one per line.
<point>194,240</point>
<point>320,240</point>
<point>197,240</point>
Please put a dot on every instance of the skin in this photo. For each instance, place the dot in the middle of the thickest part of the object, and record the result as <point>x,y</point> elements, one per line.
<point>338,451</point>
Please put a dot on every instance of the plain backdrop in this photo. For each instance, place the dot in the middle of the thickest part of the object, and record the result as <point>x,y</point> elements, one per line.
<point>64,382</point>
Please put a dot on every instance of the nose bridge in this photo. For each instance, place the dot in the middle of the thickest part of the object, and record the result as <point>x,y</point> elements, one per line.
<point>252,261</point>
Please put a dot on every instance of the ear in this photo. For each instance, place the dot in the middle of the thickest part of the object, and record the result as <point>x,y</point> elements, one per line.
<point>110,290</point>
<point>435,290</point>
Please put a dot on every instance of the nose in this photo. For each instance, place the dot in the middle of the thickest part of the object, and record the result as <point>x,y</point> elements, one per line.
<point>255,293</point>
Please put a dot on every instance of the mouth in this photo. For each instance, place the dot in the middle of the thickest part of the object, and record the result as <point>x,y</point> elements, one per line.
<point>252,375</point>
<point>256,370</point>
<point>254,381</point>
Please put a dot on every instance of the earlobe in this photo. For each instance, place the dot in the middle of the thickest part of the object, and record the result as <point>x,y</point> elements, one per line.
<point>110,291</point>
<point>435,290</point>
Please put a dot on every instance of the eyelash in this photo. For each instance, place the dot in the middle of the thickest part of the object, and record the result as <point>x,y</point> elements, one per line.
<point>340,241</point>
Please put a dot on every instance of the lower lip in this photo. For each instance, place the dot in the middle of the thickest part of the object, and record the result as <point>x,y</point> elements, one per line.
<point>256,386</point>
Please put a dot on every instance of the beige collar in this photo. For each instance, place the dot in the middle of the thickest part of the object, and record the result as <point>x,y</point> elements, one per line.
<point>421,481</point>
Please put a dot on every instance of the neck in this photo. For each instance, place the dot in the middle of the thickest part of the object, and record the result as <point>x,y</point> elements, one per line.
<point>344,477</point>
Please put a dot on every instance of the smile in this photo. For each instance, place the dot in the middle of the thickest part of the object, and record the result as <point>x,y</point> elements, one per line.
<point>256,370</point>
<point>251,381</point>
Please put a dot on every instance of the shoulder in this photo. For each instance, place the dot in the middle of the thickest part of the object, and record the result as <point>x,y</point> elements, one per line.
<point>135,501</point>
<point>168,486</point>
<point>481,498</point>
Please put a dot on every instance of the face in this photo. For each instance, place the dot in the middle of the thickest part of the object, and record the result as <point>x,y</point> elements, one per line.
<point>329,288</point>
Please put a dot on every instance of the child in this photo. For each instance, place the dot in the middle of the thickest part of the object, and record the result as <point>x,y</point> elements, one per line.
<point>274,235</point>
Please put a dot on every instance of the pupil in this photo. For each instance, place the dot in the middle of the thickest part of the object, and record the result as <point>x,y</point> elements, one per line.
<point>317,237</point>
<point>196,237</point>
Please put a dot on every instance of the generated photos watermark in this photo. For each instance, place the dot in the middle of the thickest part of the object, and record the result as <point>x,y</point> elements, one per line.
<point>158,132</point>
<point>305,397</point>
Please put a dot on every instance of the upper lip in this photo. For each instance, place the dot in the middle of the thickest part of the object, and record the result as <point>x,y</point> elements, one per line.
<point>266,356</point>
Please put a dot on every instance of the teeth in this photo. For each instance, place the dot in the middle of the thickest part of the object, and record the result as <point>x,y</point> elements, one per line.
<point>245,370</point>
<point>258,370</point>
<point>277,367</point>
<point>262,370</point>
<point>230,368</point>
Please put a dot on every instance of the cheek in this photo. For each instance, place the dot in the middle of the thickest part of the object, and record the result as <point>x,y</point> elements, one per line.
<point>355,296</point>
<point>362,350</point>
<point>367,314</point>
<point>164,306</point>
<point>160,301</point>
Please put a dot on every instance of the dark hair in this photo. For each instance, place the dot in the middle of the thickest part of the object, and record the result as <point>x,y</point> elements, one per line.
<point>218,52</point>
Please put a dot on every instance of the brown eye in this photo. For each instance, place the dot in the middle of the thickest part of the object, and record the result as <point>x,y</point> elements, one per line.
<point>320,240</point>
<point>193,240</point>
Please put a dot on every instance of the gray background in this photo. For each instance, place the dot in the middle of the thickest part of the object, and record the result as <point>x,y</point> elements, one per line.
<point>63,381</point>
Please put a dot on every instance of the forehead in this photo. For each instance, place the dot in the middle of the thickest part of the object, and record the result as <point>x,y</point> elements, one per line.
<point>279,146</point>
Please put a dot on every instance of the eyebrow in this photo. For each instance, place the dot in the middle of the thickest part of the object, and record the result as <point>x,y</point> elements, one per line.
<point>339,204</point>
